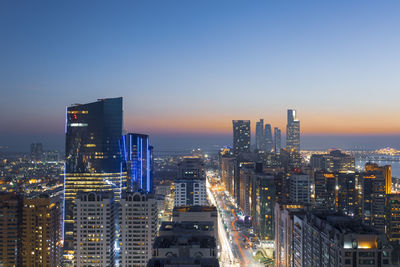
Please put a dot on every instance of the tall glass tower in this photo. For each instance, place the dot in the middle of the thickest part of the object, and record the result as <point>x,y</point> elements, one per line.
<point>241,136</point>
<point>277,140</point>
<point>260,139</point>
<point>292,131</point>
<point>268,138</point>
<point>92,155</point>
<point>137,161</point>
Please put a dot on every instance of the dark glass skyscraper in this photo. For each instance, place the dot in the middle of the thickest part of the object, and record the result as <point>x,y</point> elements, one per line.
<point>268,138</point>
<point>292,131</point>
<point>241,136</point>
<point>92,156</point>
<point>137,160</point>
<point>260,139</point>
<point>277,140</point>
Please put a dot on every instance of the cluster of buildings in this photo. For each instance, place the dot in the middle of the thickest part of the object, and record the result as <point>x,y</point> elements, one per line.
<point>295,203</point>
<point>104,211</point>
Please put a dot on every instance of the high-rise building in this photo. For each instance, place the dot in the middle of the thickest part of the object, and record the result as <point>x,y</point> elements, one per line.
<point>190,186</point>
<point>138,227</point>
<point>185,244</point>
<point>300,188</point>
<point>307,238</point>
<point>386,171</point>
<point>260,138</point>
<point>92,155</point>
<point>94,229</point>
<point>263,201</point>
<point>241,178</point>
<point>284,227</point>
<point>374,198</point>
<point>277,140</point>
<point>10,234</point>
<point>227,166</point>
<point>137,159</point>
<point>245,186</point>
<point>292,131</point>
<point>325,192</point>
<point>41,235</point>
<point>241,136</point>
<point>393,217</point>
<point>348,194</point>
<point>268,138</point>
<point>37,152</point>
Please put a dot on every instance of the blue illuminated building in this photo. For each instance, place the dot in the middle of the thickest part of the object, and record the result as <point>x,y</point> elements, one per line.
<point>137,161</point>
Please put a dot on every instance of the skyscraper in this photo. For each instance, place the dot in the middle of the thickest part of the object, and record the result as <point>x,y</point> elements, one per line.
<point>92,155</point>
<point>10,224</point>
<point>260,139</point>
<point>241,136</point>
<point>268,138</point>
<point>292,131</point>
<point>137,159</point>
<point>277,140</point>
<point>41,230</point>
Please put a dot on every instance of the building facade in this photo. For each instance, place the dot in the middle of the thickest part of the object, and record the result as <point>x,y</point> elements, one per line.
<point>94,228</point>
<point>41,235</point>
<point>137,161</point>
<point>268,138</point>
<point>10,229</point>
<point>300,188</point>
<point>260,138</point>
<point>92,155</point>
<point>241,136</point>
<point>292,131</point>
<point>138,228</point>
<point>190,187</point>
<point>277,140</point>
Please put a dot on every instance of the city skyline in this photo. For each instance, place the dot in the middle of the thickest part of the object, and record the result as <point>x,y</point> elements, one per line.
<point>334,63</point>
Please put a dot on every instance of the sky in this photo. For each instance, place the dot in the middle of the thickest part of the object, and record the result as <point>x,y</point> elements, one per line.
<point>187,68</point>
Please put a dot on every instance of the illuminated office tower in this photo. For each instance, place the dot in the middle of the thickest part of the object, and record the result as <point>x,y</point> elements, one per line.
<point>292,131</point>
<point>41,234</point>
<point>260,139</point>
<point>268,138</point>
<point>190,186</point>
<point>137,158</point>
<point>386,171</point>
<point>241,136</point>
<point>10,222</point>
<point>92,155</point>
<point>138,226</point>
<point>277,140</point>
<point>94,229</point>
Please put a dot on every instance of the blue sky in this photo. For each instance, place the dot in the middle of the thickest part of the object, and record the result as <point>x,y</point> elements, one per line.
<point>193,66</point>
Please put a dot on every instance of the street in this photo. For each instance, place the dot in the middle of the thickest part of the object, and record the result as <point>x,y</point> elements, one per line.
<point>235,246</point>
